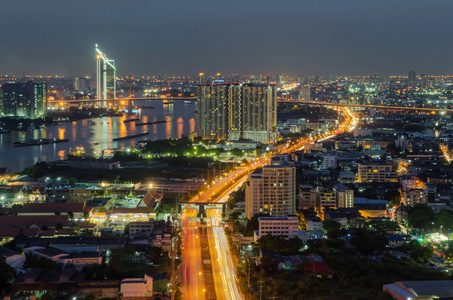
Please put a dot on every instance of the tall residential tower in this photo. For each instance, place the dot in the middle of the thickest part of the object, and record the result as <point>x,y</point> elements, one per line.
<point>273,191</point>
<point>27,100</point>
<point>238,111</point>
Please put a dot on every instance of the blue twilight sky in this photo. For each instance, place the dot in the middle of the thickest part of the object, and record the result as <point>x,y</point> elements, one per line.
<point>146,37</point>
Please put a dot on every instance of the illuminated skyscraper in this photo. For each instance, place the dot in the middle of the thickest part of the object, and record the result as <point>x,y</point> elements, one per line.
<point>305,92</point>
<point>411,80</point>
<point>201,81</point>
<point>80,84</point>
<point>105,78</point>
<point>27,100</point>
<point>238,111</point>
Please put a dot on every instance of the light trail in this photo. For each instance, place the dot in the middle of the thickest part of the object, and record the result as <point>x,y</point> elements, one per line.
<point>229,288</point>
<point>193,285</point>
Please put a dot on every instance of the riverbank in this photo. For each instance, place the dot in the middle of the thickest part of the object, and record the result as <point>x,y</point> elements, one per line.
<point>54,117</point>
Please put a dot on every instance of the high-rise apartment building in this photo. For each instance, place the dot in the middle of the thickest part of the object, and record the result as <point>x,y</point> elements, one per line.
<point>238,111</point>
<point>424,82</point>
<point>302,80</point>
<point>344,196</point>
<point>80,84</point>
<point>273,191</point>
<point>201,80</point>
<point>304,93</point>
<point>411,77</point>
<point>27,100</point>
<point>213,111</point>
<point>279,79</point>
<point>105,78</point>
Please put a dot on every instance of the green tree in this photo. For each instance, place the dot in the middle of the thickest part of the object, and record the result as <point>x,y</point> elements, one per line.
<point>423,254</point>
<point>367,242</point>
<point>72,180</point>
<point>34,261</point>
<point>237,152</point>
<point>393,196</point>
<point>86,232</point>
<point>59,226</point>
<point>445,219</point>
<point>332,228</point>
<point>268,264</point>
<point>7,275</point>
<point>237,196</point>
<point>252,225</point>
<point>420,216</point>
<point>280,244</point>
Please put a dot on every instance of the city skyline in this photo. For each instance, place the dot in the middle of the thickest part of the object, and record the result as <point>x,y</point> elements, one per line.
<point>350,38</point>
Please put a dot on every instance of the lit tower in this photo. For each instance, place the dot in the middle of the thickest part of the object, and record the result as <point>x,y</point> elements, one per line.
<point>105,79</point>
<point>201,79</point>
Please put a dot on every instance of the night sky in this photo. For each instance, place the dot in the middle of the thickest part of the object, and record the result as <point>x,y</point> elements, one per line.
<point>147,37</point>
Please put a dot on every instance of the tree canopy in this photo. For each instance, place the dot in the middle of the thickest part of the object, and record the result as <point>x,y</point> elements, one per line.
<point>280,245</point>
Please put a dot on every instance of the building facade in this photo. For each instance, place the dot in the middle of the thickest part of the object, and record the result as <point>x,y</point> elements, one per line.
<point>328,162</point>
<point>375,172</point>
<point>273,191</point>
<point>344,196</point>
<point>27,100</point>
<point>327,197</point>
<point>286,227</point>
<point>307,196</point>
<point>412,197</point>
<point>237,111</point>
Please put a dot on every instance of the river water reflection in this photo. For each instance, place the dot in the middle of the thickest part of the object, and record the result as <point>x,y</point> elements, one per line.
<point>180,119</point>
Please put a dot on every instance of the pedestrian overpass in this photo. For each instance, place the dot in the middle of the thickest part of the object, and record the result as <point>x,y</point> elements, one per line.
<point>201,209</point>
<point>201,213</point>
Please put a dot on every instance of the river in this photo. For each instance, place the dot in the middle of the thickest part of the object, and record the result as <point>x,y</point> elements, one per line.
<point>179,116</point>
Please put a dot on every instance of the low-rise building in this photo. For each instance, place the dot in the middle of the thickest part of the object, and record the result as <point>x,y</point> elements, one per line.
<point>11,257</point>
<point>142,229</point>
<point>137,288</point>
<point>68,279</point>
<point>426,289</point>
<point>328,162</point>
<point>396,240</point>
<point>376,172</point>
<point>309,220</point>
<point>286,227</point>
<point>78,210</point>
<point>327,197</point>
<point>77,260</point>
<point>346,177</point>
<point>412,197</point>
<point>38,195</point>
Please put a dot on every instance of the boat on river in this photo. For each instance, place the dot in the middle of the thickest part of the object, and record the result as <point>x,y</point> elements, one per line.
<point>131,120</point>
<point>37,142</point>
<point>150,123</point>
<point>130,136</point>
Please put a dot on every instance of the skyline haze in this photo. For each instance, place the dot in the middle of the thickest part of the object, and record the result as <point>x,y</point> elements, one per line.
<point>174,37</point>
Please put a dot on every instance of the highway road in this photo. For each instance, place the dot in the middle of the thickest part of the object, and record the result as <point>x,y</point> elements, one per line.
<point>192,288</point>
<point>224,269</point>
